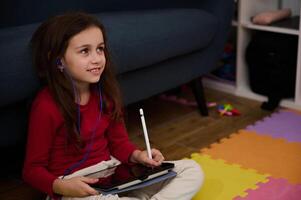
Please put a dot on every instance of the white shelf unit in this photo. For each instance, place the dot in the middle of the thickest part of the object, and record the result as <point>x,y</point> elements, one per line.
<point>247,9</point>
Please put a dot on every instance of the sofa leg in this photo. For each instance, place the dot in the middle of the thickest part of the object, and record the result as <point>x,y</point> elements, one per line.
<point>198,91</point>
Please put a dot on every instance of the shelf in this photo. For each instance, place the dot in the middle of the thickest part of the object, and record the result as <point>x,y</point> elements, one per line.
<point>244,92</point>
<point>289,103</point>
<point>245,28</point>
<point>221,85</point>
<point>290,23</point>
<point>229,87</point>
<point>275,29</point>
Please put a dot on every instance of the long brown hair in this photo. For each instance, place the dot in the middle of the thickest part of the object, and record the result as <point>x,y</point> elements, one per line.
<point>49,43</point>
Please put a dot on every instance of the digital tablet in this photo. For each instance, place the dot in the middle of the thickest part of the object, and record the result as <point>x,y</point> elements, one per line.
<point>126,175</point>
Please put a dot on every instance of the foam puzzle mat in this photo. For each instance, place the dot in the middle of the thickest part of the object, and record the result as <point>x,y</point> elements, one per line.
<point>261,162</point>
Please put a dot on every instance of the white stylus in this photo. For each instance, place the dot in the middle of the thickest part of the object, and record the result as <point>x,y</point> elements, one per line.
<point>148,148</point>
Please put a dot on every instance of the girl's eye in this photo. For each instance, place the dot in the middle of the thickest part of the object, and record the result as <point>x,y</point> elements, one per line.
<point>100,49</point>
<point>84,51</point>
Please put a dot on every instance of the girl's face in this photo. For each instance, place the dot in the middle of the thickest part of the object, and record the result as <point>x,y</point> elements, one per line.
<point>84,58</point>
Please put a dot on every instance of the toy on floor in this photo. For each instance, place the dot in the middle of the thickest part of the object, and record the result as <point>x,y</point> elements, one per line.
<point>226,66</point>
<point>227,110</point>
<point>211,104</point>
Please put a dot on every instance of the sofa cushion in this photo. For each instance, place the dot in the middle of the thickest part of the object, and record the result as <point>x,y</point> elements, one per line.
<point>141,38</point>
<point>17,79</point>
<point>136,39</point>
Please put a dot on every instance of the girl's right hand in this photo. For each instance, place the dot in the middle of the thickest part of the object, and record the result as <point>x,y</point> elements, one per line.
<point>74,187</point>
<point>142,157</point>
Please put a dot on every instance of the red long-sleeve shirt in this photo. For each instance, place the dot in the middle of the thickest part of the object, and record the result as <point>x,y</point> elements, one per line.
<point>47,153</point>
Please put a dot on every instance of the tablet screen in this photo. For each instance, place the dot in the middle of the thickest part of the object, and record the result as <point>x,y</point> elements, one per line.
<point>124,174</point>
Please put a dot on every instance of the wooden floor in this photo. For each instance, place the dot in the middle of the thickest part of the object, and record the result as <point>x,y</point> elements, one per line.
<point>179,130</point>
<point>175,129</point>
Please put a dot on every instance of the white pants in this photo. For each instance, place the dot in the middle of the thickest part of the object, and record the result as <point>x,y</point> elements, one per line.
<point>188,181</point>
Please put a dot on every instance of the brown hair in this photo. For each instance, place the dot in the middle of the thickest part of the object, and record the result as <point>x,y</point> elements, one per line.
<point>49,43</point>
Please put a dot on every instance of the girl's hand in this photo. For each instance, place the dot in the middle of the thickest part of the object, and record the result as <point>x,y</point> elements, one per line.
<point>74,187</point>
<point>142,158</point>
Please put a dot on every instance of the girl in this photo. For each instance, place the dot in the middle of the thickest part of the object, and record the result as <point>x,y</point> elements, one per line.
<point>76,125</point>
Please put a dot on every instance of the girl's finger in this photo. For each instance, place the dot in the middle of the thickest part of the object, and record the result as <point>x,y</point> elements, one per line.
<point>157,155</point>
<point>90,190</point>
<point>89,180</point>
<point>149,162</point>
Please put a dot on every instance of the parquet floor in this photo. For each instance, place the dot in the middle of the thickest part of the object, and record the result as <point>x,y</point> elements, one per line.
<point>179,130</point>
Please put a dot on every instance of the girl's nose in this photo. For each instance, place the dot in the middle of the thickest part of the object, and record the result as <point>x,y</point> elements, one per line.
<point>96,57</point>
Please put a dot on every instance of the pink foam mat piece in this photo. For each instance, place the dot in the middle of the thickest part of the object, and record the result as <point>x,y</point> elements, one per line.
<point>284,124</point>
<point>274,189</point>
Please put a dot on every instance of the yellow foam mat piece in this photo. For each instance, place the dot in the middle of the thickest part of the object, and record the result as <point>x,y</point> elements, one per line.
<point>224,181</point>
<point>275,156</point>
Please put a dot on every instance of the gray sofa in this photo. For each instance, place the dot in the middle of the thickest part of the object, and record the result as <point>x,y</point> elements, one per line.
<point>156,45</point>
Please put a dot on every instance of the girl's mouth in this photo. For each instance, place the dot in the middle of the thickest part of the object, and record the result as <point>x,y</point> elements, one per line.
<point>95,71</point>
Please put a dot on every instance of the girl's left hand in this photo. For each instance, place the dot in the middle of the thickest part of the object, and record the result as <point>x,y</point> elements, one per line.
<point>142,157</point>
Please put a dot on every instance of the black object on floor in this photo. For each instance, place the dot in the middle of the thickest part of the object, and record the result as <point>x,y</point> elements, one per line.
<point>198,91</point>
<point>272,62</point>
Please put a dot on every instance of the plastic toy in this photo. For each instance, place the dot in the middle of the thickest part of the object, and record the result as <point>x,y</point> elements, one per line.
<point>211,104</point>
<point>227,110</point>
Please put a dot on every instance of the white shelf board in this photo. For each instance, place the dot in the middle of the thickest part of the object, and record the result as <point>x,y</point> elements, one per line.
<point>218,85</point>
<point>270,28</point>
<point>246,93</point>
<point>289,103</point>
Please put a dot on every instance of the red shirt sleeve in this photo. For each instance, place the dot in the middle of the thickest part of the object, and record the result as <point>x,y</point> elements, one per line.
<point>41,132</point>
<point>119,144</point>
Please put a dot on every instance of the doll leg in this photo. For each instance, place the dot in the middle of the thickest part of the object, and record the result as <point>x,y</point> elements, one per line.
<point>268,17</point>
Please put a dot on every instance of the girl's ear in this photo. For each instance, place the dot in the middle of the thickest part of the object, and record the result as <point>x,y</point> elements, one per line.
<point>59,64</point>
<point>62,61</point>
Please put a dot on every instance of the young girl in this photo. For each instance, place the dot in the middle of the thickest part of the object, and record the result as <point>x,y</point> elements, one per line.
<point>76,125</point>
